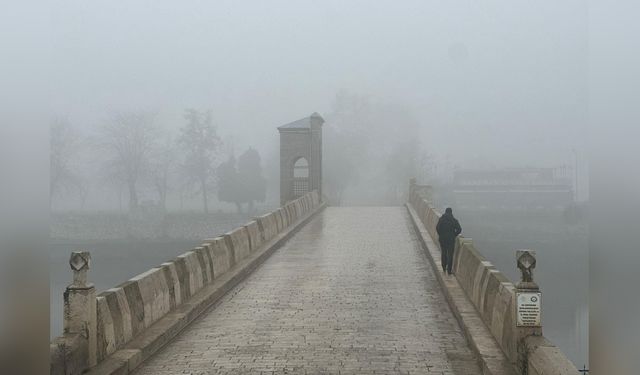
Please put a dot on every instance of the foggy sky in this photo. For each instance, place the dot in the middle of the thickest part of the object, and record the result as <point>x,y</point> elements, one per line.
<point>501,80</point>
<point>492,83</point>
<point>493,80</point>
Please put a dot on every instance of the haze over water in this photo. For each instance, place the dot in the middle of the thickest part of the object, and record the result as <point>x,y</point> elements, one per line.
<point>408,89</point>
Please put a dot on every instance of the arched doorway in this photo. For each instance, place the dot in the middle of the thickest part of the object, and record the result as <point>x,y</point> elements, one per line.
<point>300,177</point>
<point>300,157</point>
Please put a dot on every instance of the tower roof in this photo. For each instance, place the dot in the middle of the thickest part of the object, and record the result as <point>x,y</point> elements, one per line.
<point>303,123</point>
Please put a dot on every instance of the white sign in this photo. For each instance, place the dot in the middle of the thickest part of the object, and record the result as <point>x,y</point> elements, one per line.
<point>528,309</point>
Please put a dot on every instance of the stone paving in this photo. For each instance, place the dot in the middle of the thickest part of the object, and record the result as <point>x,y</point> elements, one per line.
<point>351,293</point>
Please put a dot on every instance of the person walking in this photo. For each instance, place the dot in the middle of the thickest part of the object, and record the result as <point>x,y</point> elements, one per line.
<point>448,229</point>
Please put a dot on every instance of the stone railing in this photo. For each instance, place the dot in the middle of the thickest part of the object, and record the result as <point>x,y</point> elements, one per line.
<point>120,327</point>
<point>495,298</point>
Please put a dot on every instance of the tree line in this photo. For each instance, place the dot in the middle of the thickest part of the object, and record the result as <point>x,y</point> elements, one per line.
<point>136,154</point>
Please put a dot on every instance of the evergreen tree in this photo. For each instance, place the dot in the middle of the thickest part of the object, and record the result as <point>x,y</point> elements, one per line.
<point>228,186</point>
<point>253,185</point>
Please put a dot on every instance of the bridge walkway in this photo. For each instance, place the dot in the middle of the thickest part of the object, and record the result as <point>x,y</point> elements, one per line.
<point>350,293</point>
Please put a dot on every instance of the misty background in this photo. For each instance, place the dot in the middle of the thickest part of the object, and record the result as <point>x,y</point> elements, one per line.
<point>410,89</point>
<point>474,84</point>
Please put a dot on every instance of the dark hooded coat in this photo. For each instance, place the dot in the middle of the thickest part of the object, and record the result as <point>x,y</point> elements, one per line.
<point>448,229</point>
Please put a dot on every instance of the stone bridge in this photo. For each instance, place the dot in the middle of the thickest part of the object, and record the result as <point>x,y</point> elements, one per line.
<point>308,289</point>
<point>311,289</point>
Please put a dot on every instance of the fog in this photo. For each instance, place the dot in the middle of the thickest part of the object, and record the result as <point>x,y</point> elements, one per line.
<point>480,84</point>
<point>417,89</point>
<point>408,89</point>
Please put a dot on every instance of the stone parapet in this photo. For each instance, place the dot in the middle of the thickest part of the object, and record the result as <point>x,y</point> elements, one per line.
<point>493,298</point>
<point>545,358</point>
<point>68,355</point>
<point>238,240</point>
<point>255,235</point>
<point>136,318</point>
<point>268,225</point>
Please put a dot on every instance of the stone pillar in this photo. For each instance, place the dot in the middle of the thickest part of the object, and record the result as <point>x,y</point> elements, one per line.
<point>315,153</point>
<point>80,305</point>
<point>412,186</point>
<point>420,191</point>
<point>301,139</point>
<point>528,307</point>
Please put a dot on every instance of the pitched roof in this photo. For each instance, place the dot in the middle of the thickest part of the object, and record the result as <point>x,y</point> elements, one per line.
<point>303,123</point>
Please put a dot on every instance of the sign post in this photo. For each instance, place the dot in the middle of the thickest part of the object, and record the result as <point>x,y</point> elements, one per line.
<point>528,312</point>
<point>528,305</point>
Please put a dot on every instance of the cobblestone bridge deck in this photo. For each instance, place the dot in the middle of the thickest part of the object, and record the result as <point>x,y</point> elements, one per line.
<point>351,293</point>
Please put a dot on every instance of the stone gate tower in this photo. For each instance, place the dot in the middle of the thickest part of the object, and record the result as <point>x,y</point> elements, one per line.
<point>301,157</point>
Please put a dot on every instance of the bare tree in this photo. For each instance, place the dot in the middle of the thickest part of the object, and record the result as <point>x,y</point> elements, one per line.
<point>64,143</point>
<point>129,139</point>
<point>402,165</point>
<point>346,140</point>
<point>161,168</point>
<point>200,142</point>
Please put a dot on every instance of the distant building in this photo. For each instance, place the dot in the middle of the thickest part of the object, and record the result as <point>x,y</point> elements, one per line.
<point>513,188</point>
<point>301,157</point>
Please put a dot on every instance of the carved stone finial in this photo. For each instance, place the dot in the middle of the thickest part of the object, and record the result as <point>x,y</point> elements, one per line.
<point>80,262</point>
<point>80,310</point>
<point>526,261</point>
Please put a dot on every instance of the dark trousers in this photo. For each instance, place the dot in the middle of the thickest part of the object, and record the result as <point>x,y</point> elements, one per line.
<point>446,254</point>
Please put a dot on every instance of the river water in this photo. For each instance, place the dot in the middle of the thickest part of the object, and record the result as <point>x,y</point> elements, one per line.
<point>115,255</point>
<point>562,269</point>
